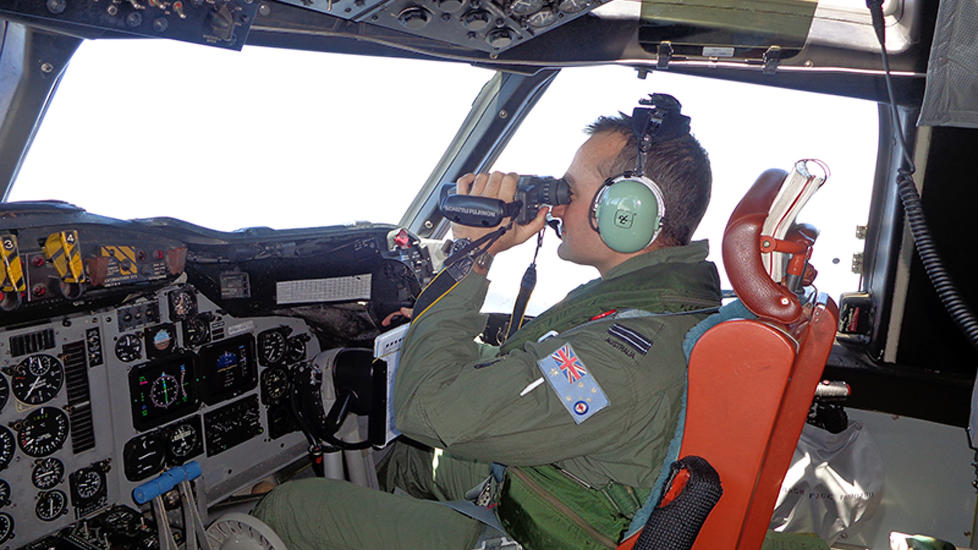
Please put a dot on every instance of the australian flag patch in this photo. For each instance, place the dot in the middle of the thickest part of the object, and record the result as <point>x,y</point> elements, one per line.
<point>576,388</point>
<point>631,337</point>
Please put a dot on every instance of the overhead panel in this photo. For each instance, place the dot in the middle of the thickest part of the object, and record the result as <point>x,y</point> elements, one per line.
<point>491,26</point>
<point>222,23</point>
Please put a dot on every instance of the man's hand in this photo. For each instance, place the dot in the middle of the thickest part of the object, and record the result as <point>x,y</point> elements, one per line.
<point>403,313</point>
<point>496,186</point>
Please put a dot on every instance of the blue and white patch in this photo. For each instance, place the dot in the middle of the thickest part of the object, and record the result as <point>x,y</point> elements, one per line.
<point>631,337</point>
<point>573,383</point>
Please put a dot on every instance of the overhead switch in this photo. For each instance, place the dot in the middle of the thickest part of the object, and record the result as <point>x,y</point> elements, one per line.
<point>476,20</point>
<point>450,6</point>
<point>414,18</point>
<point>542,18</point>
<point>525,7</point>
<point>572,6</point>
<point>500,38</point>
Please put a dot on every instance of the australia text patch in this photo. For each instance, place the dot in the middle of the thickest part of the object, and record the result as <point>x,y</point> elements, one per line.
<point>631,337</point>
<point>576,388</point>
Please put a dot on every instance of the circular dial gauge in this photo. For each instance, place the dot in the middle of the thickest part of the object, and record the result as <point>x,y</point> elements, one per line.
<point>525,7</point>
<point>160,340</point>
<point>4,391</point>
<point>296,350</point>
<point>51,505</point>
<point>182,440</point>
<point>542,18</point>
<point>120,519</point>
<point>195,331</point>
<point>274,384</point>
<point>183,303</point>
<point>164,391</point>
<point>6,527</point>
<point>47,473</point>
<point>37,379</point>
<point>6,447</point>
<point>87,482</point>
<point>143,456</point>
<point>43,432</point>
<point>129,347</point>
<point>271,347</point>
<point>572,6</point>
<point>4,493</point>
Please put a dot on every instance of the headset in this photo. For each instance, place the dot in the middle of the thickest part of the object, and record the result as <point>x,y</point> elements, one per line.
<point>627,211</point>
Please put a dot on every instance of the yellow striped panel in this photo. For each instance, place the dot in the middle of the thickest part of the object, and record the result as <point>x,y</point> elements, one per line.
<point>12,276</point>
<point>64,251</point>
<point>125,256</point>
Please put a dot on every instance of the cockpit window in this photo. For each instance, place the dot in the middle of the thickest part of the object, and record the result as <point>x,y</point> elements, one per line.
<point>745,128</point>
<point>261,137</point>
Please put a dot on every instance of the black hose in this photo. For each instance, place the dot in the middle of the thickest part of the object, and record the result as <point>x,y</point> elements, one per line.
<point>953,302</point>
<point>948,293</point>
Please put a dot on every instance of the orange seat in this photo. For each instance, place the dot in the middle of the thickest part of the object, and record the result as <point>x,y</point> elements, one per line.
<point>751,382</point>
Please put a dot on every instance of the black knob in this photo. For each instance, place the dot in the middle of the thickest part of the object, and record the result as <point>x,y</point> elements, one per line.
<point>500,38</point>
<point>414,18</point>
<point>450,6</point>
<point>57,7</point>
<point>476,20</point>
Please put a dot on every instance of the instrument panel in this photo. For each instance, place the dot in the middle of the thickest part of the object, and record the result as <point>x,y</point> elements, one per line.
<point>104,386</point>
<point>76,437</point>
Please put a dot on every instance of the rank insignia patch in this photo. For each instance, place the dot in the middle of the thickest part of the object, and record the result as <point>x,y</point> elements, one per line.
<point>631,337</point>
<point>576,388</point>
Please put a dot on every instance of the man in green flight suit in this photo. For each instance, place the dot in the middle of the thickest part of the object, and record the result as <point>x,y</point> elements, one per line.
<point>580,404</point>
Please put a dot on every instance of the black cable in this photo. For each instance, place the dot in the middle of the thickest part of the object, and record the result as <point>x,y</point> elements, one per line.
<point>297,412</point>
<point>334,421</point>
<point>913,209</point>
<point>315,448</point>
<point>479,246</point>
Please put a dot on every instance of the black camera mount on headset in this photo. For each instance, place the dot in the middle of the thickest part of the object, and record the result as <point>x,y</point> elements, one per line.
<point>661,121</point>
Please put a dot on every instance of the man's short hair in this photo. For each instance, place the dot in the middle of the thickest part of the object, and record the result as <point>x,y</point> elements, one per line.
<point>681,168</point>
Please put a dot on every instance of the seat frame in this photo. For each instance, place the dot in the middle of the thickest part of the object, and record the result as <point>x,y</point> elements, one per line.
<point>751,382</point>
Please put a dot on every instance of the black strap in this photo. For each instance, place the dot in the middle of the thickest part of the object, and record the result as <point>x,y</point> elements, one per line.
<point>674,526</point>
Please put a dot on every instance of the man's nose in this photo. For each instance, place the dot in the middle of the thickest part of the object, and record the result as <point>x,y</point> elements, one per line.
<point>558,211</point>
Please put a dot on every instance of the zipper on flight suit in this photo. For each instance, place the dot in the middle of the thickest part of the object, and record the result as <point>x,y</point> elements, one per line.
<point>563,508</point>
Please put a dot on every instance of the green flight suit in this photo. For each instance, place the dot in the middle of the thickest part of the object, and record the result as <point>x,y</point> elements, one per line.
<point>480,404</point>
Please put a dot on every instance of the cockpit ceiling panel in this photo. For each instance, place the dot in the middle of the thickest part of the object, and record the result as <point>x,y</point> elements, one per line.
<point>221,23</point>
<point>491,26</point>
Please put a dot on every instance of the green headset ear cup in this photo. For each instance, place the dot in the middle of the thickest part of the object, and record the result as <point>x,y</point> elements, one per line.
<point>628,213</point>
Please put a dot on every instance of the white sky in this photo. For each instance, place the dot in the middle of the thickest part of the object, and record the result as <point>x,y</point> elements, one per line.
<point>283,138</point>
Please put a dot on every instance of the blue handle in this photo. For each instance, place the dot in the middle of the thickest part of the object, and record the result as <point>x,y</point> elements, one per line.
<point>165,482</point>
<point>147,491</point>
<point>169,479</point>
<point>192,469</point>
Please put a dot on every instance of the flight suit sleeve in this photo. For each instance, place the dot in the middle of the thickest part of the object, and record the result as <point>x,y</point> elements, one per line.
<point>447,395</point>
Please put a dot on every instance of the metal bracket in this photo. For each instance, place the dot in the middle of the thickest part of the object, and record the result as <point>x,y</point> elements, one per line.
<point>772,57</point>
<point>663,54</point>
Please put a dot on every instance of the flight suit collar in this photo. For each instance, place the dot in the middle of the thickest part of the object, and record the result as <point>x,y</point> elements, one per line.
<point>695,251</point>
<point>668,280</point>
